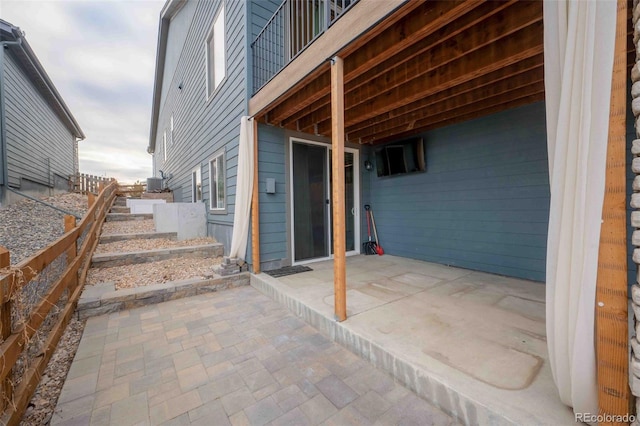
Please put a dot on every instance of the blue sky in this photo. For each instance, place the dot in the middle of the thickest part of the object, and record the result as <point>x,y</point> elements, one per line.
<point>100,54</point>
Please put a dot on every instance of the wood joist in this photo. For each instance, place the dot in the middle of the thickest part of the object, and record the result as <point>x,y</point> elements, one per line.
<point>441,62</point>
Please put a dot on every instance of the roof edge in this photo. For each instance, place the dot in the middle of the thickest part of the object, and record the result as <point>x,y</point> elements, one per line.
<point>169,10</point>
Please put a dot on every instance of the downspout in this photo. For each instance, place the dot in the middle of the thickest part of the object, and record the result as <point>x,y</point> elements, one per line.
<point>4,166</point>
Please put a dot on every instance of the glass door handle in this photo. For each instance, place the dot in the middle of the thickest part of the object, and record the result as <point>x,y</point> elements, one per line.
<point>353,211</point>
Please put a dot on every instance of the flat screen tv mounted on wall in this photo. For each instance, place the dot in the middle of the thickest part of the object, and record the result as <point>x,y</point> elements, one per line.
<point>403,157</point>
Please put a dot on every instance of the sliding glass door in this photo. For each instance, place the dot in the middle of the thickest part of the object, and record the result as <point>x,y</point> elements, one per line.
<point>311,201</point>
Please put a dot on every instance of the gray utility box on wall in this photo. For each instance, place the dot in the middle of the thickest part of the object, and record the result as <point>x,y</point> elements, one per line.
<point>271,186</point>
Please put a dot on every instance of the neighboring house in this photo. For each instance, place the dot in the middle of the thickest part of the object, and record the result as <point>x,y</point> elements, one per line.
<point>38,134</point>
<point>441,105</point>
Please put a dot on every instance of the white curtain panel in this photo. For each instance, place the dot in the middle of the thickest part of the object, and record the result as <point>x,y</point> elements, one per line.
<point>579,39</point>
<point>244,190</point>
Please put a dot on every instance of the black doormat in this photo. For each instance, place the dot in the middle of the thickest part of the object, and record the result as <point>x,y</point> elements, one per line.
<point>287,270</point>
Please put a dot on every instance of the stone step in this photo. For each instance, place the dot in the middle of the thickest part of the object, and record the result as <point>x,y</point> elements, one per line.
<point>113,217</point>
<point>120,209</point>
<point>112,238</point>
<point>103,298</point>
<point>107,260</point>
<point>120,201</point>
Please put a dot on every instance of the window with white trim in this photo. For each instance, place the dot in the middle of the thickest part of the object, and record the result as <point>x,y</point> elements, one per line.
<point>215,54</point>
<point>216,182</point>
<point>196,185</point>
<point>171,131</point>
<point>164,145</point>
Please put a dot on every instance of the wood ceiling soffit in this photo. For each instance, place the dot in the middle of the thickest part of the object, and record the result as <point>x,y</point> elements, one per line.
<point>429,72</point>
<point>516,47</point>
<point>459,118</point>
<point>533,65</point>
<point>395,57</point>
<point>448,99</point>
<point>403,33</point>
<point>485,98</point>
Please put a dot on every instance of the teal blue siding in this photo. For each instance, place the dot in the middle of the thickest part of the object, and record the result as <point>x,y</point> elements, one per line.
<point>483,202</point>
<point>261,12</point>
<point>203,127</point>
<point>271,164</point>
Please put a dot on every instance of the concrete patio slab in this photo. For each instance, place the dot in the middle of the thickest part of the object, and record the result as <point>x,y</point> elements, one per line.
<point>470,342</point>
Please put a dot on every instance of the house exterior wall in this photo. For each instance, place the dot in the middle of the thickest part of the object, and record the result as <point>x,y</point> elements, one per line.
<point>273,207</point>
<point>203,127</point>
<point>40,147</point>
<point>483,202</point>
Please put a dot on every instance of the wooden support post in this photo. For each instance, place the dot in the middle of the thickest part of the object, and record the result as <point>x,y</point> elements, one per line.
<point>91,199</point>
<point>5,330</point>
<point>72,251</point>
<point>337,155</point>
<point>255,205</point>
<point>612,339</point>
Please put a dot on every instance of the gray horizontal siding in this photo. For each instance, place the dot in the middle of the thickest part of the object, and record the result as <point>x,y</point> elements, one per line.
<point>483,202</point>
<point>261,12</point>
<point>39,145</point>
<point>203,128</point>
<point>271,164</point>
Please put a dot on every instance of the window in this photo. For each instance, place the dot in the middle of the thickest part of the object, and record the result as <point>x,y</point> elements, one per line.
<point>164,145</point>
<point>215,52</point>
<point>171,131</point>
<point>196,185</point>
<point>216,186</point>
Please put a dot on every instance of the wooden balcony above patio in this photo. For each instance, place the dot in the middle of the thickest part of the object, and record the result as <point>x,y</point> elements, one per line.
<point>425,65</point>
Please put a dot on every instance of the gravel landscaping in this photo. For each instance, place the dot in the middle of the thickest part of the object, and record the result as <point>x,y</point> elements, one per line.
<point>149,244</point>
<point>144,274</point>
<point>128,227</point>
<point>28,226</point>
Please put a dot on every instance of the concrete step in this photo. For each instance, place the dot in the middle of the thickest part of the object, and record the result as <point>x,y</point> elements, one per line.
<point>113,217</point>
<point>112,238</point>
<point>107,260</point>
<point>103,298</point>
<point>120,209</point>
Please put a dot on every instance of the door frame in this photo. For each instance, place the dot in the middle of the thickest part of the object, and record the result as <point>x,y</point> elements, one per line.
<point>356,201</point>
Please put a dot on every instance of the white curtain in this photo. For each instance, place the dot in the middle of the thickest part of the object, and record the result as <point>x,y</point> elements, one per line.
<point>579,38</point>
<point>244,189</point>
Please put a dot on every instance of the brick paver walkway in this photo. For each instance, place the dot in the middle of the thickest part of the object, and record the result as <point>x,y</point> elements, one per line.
<point>234,357</point>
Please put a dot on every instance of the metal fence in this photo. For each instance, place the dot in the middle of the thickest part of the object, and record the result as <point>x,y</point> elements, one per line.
<point>293,27</point>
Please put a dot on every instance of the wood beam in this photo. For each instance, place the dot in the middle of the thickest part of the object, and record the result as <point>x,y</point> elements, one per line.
<point>427,27</point>
<point>515,75</point>
<point>425,19</point>
<point>457,116</point>
<point>523,44</point>
<point>337,178</point>
<point>255,205</point>
<point>481,98</point>
<point>612,339</point>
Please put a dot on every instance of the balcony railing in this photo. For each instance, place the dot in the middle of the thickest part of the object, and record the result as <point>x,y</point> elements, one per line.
<point>293,27</point>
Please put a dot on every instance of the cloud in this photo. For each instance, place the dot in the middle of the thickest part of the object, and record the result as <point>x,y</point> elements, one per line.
<point>101,57</point>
